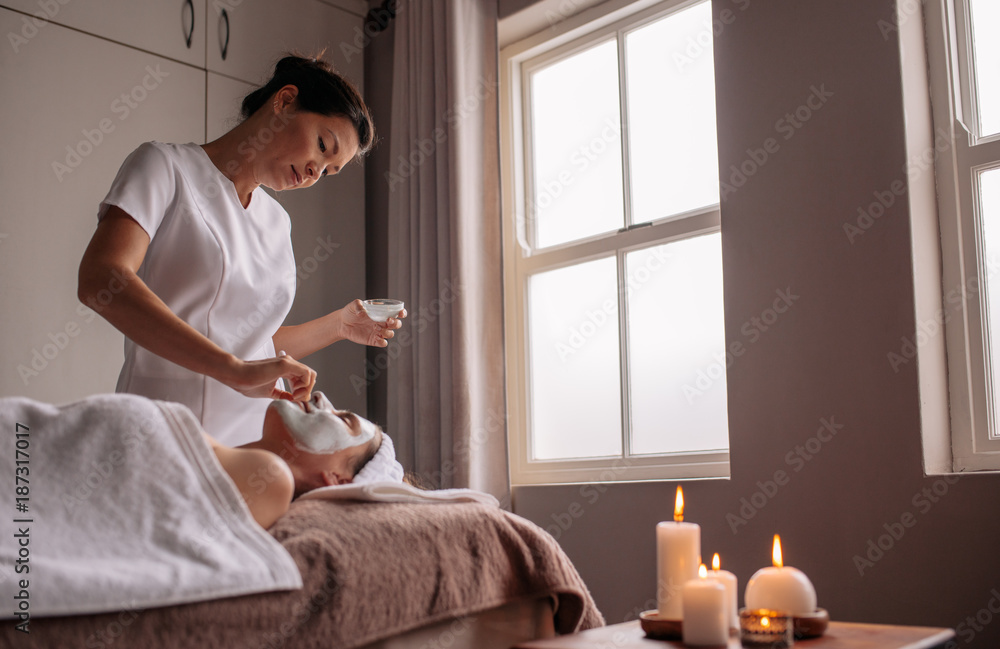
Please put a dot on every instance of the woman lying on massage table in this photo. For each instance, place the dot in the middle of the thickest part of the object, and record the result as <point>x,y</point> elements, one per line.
<point>306,445</point>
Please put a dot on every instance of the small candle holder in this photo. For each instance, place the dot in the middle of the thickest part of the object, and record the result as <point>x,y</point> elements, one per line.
<point>764,628</point>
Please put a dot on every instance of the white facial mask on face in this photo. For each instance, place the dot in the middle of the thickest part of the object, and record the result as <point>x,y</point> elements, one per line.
<point>317,429</point>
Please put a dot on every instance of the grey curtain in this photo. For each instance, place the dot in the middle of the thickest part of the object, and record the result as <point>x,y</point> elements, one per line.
<point>446,399</point>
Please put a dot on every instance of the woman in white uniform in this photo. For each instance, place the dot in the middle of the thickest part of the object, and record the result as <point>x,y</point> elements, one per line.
<point>200,257</point>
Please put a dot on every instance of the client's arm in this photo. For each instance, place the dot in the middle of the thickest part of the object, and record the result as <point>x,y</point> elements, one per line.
<point>263,479</point>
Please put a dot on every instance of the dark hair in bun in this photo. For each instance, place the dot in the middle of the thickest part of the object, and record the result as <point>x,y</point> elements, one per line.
<point>321,90</point>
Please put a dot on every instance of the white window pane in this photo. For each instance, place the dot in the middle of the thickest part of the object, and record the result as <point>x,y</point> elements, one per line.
<point>989,194</point>
<point>574,361</point>
<point>985,26</point>
<point>677,347</point>
<point>576,148</point>
<point>671,112</point>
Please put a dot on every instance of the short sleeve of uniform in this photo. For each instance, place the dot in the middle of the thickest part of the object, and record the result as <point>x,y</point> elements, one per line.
<point>144,187</point>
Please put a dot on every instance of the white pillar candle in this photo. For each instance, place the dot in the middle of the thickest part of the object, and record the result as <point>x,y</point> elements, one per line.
<point>781,588</point>
<point>678,553</point>
<point>728,580</point>
<point>705,621</point>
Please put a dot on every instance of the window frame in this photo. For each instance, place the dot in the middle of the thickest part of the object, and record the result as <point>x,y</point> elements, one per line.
<point>972,413</point>
<point>611,20</point>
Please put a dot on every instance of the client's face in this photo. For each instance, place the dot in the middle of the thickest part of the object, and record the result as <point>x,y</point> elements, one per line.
<point>322,445</point>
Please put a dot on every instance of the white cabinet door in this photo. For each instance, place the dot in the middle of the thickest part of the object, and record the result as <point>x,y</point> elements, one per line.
<point>171,28</point>
<point>74,107</point>
<point>255,34</point>
<point>225,96</point>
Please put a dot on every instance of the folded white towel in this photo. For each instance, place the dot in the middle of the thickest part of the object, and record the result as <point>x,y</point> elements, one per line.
<point>125,505</point>
<point>397,492</point>
<point>383,467</point>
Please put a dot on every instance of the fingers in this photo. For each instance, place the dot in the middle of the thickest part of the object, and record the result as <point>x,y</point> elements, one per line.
<point>302,379</point>
<point>277,393</point>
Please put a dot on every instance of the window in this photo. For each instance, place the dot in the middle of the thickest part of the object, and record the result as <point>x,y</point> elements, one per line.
<point>613,256</point>
<point>965,93</point>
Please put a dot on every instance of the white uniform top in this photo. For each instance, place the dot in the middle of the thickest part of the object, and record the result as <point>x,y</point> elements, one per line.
<point>227,271</point>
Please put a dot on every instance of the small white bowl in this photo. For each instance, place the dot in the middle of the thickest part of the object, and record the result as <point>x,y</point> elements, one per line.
<point>381,310</point>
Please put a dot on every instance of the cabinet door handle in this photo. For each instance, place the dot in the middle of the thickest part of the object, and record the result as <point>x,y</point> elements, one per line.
<point>224,36</point>
<point>190,31</point>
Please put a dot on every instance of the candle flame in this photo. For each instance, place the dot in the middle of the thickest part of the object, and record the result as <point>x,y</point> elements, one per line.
<point>776,552</point>
<point>765,622</point>
<point>715,561</point>
<point>679,505</point>
<point>702,572</point>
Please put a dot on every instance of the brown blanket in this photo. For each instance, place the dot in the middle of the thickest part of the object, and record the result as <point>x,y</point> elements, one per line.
<point>370,570</point>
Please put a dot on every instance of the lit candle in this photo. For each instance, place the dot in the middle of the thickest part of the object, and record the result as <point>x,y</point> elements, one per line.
<point>705,609</point>
<point>781,588</point>
<point>764,628</point>
<point>678,553</point>
<point>728,580</point>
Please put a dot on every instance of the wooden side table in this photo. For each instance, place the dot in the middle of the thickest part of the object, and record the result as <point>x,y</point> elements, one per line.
<point>839,635</point>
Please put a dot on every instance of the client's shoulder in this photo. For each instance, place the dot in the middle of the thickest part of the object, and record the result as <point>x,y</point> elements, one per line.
<point>263,479</point>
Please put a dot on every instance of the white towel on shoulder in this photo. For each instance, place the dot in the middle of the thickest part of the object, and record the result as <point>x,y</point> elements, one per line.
<point>127,508</point>
<point>398,492</point>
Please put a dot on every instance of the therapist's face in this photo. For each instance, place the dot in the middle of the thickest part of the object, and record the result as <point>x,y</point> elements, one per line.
<point>307,147</point>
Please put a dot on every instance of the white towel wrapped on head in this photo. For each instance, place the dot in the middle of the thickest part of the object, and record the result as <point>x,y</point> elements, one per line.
<point>383,467</point>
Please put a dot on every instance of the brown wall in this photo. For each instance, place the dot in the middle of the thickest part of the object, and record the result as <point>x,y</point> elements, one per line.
<point>826,357</point>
